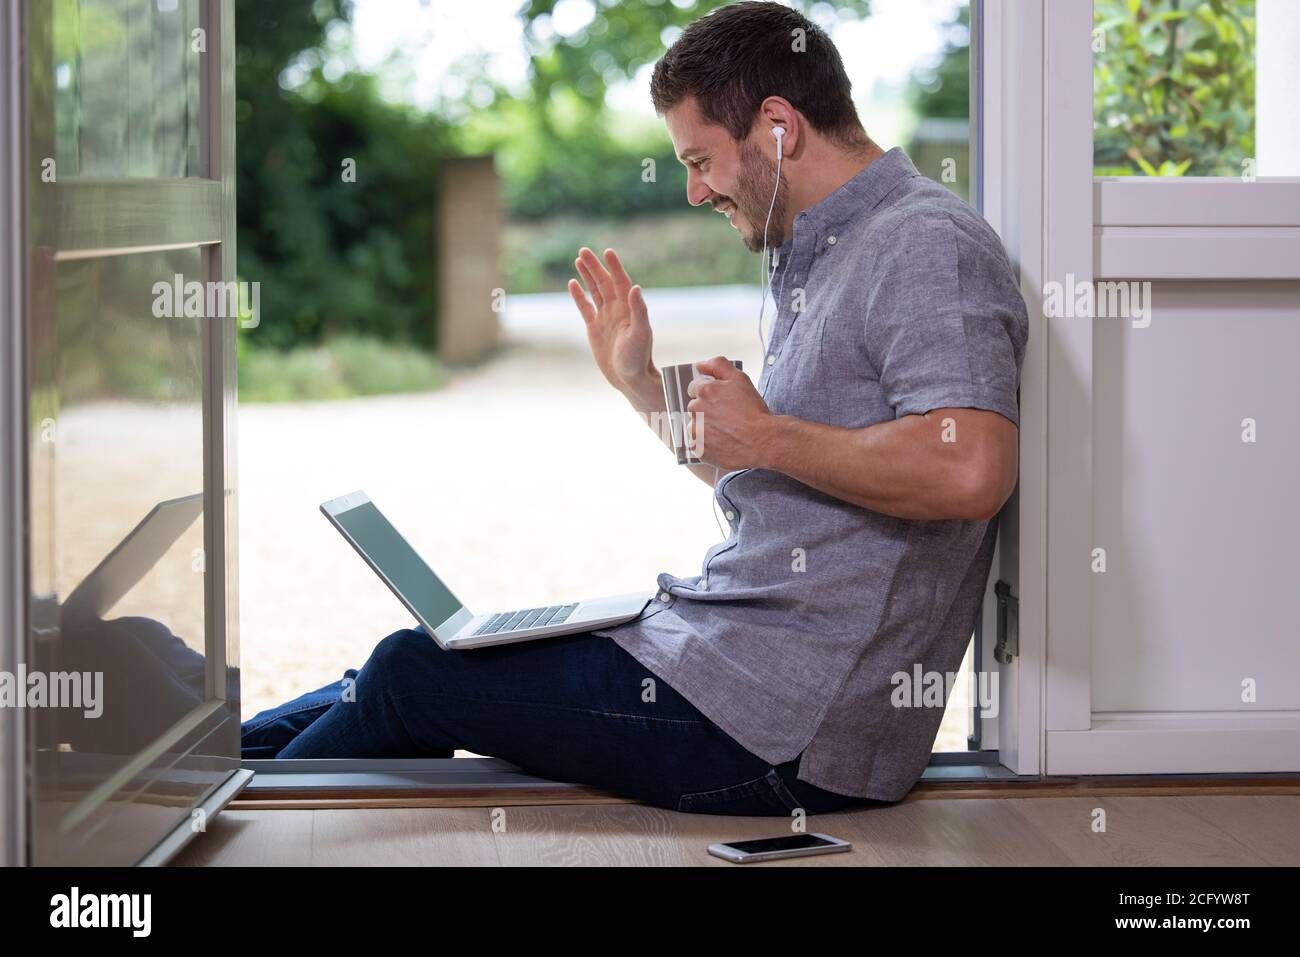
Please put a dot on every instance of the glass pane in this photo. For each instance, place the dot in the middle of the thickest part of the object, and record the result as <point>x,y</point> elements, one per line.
<point>126,88</point>
<point>126,445</point>
<point>1195,88</point>
<point>937,102</point>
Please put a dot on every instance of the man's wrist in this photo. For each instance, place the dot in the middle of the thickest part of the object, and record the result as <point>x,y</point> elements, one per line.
<point>647,393</point>
<point>778,446</point>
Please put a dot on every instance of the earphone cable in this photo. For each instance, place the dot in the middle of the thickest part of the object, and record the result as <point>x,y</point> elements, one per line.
<point>713,499</point>
<point>765,281</point>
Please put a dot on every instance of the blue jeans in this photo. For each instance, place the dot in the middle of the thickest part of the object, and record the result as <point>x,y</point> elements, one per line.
<point>577,709</point>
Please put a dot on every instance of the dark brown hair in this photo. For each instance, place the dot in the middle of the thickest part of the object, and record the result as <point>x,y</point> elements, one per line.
<point>738,55</point>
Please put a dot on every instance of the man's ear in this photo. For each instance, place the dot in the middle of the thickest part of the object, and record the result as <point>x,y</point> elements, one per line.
<point>776,111</point>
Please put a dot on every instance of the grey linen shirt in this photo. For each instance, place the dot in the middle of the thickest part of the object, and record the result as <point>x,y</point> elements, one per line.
<point>893,298</point>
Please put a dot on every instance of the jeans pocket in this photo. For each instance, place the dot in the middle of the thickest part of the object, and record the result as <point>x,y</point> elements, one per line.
<point>763,796</point>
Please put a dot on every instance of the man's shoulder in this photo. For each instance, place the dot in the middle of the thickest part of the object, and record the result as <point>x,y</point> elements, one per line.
<point>926,215</point>
<point>926,206</point>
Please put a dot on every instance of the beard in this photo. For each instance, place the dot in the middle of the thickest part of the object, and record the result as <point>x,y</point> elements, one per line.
<point>754,196</point>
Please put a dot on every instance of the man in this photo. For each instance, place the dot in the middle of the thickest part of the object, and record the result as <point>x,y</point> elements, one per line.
<point>859,478</point>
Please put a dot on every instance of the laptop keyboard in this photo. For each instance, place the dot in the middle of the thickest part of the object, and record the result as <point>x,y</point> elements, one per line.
<point>507,621</point>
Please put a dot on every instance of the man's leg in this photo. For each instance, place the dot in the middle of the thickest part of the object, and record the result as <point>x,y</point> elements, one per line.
<point>151,679</point>
<point>266,733</point>
<point>576,708</point>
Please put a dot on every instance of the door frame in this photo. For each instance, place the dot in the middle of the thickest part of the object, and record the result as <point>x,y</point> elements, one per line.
<point>96,218</point>
<point>1035,68</point>
<point>13,418</point>
<point>1132,228</point>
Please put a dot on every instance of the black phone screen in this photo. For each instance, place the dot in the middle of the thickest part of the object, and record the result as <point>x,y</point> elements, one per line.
<point>796,842</point>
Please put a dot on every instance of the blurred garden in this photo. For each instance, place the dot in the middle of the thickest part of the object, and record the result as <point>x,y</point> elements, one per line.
<point>348,264</point>
<point>351,115</point>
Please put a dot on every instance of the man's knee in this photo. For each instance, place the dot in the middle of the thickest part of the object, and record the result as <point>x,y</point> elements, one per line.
<point>401,648</point>
<point>404,655</point>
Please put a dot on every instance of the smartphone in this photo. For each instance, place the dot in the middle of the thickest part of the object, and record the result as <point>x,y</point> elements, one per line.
<point>775,848</point>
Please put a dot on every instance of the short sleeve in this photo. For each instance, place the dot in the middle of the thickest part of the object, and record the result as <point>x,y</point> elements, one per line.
<point>945,322</point>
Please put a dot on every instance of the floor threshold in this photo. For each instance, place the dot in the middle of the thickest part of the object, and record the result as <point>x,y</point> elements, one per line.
<point>491,782</point>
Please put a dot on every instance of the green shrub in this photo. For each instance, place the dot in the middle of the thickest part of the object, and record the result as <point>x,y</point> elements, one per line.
<point>1174,88</point>
<point>337,249</point>
<point>689,248</point>
<point>342,367</point>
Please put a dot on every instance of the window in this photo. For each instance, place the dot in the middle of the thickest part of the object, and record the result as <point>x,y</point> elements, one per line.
<point>1195,88</point>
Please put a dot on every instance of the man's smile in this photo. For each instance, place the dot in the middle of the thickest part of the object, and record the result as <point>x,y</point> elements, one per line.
<point>729,210</point>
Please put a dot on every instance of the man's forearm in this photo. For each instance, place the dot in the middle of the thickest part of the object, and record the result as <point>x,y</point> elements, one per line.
<point>903,468</point>
<point>647,398</point>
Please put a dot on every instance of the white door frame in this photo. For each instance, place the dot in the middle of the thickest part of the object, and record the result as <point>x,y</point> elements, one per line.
<point>1071,226</point>
<point>1036,176</point>
<point>13,391</point>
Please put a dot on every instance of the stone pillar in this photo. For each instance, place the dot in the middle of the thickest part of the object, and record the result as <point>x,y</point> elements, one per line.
<point>469,228</point>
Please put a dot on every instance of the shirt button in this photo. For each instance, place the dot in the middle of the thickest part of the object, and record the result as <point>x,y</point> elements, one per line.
<point>771,360</point>
<point>831,240</point>
<point>664,596</point>
<point>730,515</point>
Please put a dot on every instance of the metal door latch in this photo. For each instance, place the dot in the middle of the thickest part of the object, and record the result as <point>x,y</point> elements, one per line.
<point>1008,643</point>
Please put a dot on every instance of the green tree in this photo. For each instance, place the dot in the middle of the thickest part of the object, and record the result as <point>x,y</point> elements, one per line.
<point>332,256</point>
<point>557,145</point>
<point>943,90</point>
<point>1173,87</point>
<point>620,38</point>
<point>940,91</point>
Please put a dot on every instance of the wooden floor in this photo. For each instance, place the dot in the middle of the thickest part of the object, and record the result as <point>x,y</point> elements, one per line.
<point>1145,831</point>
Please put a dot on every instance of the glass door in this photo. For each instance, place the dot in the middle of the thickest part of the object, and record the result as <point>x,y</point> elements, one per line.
<point>132,310</point>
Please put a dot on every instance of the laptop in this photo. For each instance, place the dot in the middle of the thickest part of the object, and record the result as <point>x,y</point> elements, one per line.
<point>443,615</point>
<point>123,567</point>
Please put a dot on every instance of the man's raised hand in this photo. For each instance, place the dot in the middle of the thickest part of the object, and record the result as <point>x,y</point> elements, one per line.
<point>618,324</point>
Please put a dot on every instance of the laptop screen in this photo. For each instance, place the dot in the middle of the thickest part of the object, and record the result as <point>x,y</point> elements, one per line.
<point>397,561</point>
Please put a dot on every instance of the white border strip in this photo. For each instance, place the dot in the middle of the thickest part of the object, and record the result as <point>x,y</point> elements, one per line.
<point>1168,743</point>
<point>13,383</point>
<point>1195,201</point>
<point>1196,252</point>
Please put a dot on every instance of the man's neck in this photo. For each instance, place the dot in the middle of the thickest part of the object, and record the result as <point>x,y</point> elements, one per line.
<point>824,175</point>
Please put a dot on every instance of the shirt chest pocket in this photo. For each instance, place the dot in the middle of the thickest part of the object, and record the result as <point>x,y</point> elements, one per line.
<point>799,363</point>
<point>823,372</point>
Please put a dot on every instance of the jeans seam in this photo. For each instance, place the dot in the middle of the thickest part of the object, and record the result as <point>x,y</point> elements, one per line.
<point>551,707</point>
<point>284,714</point>
<point>753,786</point>
<point>397,712</point>
<point>779,786</point>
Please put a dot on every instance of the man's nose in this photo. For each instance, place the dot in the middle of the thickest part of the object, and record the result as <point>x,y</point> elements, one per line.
<point>697,191</point>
